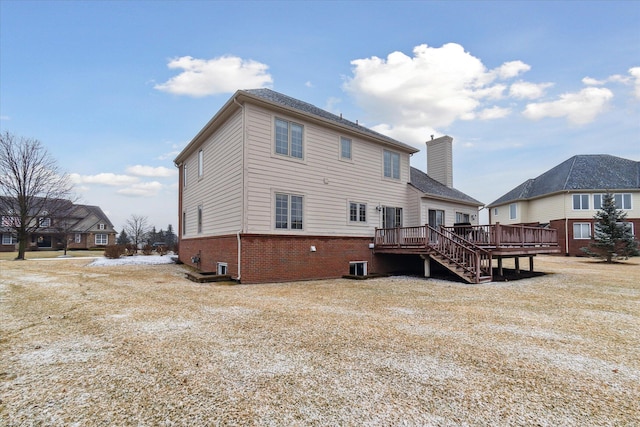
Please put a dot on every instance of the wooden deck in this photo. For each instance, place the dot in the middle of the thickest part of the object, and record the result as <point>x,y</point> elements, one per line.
<point>469,250</point>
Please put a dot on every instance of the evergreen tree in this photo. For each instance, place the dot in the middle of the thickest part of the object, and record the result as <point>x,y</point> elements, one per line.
<point>170,237</point>
<point>612,238</point>
<point>123,238</point>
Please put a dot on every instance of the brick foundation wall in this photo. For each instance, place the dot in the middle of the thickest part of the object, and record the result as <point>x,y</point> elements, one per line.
<point>282,258</point>
<point>576,244</point>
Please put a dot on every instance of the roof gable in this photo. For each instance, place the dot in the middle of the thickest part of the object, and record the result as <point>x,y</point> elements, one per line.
<point>581,172</point>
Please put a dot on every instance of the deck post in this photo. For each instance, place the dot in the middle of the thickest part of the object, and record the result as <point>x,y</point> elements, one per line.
<point>530,262</point>
<point>427,266</point>
<point>517,262</point>
<point>500,266</point>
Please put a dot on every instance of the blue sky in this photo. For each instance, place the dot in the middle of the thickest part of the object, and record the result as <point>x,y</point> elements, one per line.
<point>114,90</point>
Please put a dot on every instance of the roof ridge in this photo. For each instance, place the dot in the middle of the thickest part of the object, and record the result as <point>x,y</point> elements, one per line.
<point>573,163</point>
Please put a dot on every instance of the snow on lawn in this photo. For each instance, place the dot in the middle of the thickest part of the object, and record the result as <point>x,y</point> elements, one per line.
<point>135,260</point>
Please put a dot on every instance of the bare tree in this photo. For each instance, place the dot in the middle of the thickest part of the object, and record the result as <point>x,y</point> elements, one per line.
<point>32,187</point>
<point>137,228</point>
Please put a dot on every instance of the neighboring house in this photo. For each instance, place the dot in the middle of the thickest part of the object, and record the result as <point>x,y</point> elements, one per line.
<point>82,226</point>
<point>275,189</point>
<point>567,197</point>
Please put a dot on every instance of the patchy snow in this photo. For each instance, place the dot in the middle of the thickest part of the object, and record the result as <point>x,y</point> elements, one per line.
<point>134,260</point>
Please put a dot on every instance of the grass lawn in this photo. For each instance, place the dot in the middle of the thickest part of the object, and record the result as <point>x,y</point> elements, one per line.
<point>50,254</point>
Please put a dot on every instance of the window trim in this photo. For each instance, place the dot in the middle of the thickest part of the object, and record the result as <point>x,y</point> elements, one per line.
<point>184,175</point>
<point>392,171</point>
<point>344,139</point>
<point>200,219</point>
<point>581,224</point>
<point>184,223</point>
<point>361,217</point>
<point>77,238</point>
<point>11,240</point>
<point>397,214</point>
<point>106,239</point>
<point>200,163</point>
<point>463,215</point>
<point>581,198</point>
<point>219,268</point>
<point>513,210</point>
<point>44,222</point>
<point>364,269</point>
<point>289,213</point>
<point>288,154</point>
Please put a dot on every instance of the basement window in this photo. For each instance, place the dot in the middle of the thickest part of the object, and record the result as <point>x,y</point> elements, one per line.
<point>358,268</point>
<point>221,268</point>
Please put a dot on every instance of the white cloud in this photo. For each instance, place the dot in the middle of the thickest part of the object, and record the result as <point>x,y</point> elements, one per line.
<point>331,104</point>
<point>493,113</point>
<point>589,81</point>
<point>579,108</point>
<point>143,189</point>
<point>308,84</point>
<point>431,89</point>
<point>226,74</point>
<point>3,118</point>
<point>527,90</point>
<point>110,179</point>
<point>150,171</point>
<point>635,73</point>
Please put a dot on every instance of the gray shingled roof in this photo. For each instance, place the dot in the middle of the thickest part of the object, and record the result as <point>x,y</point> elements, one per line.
<point>581,172</point>
<point>430,186</point>
<point>296,104</point>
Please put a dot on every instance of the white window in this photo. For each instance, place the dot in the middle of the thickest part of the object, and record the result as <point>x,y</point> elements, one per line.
<point>184,223</point>
<point>289,215</point>
<point>357,212</point>
<point>358,268</point>
<point>580,202</point>
<point>200,219</point>
<point>289,139</point>
<point>221,268</point>
<point>8,239</point>
<point>45,222</point>
<point>462,217</point>
<point>200,163</point>
<point>495,211</point>
<point>391,164</point>
<point>184,174</point>
<point>392,217</point>
<point>513,211</point>
<point>78,238</point>
<point>345,148</point>
<point>102,239</point>
<point>622,201</point>
<point>581,230</point>
<point>10,221</point>
<point>101,226</point>
<point>628,225</point>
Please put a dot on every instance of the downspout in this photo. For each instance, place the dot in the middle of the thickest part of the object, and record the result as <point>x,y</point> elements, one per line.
<point>566,226</point>
<point>242,221</point>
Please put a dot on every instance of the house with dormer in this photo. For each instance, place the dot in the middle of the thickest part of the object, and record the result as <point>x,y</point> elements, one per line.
<point>567,196</point>
<point>275,189</point>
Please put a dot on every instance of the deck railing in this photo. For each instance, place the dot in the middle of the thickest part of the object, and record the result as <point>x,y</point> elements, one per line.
<point>473,259</point>
<point>501,236</point>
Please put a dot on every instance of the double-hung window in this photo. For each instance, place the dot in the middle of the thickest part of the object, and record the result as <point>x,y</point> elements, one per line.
<point>8,239</point>
<point>199,219</point>
<point>345,148</point>
<point>289,214</point>
<point>580,202</point>
<point>45,222</point>
<point>581,230</point>
<point>622,201</point>
<point>101,239</point>
<point>357,212</point>
<point>200,163</point>
<point>289,139</point>
<point>462,217</point>
<point>513,211</point>
<point>77,238</point>
<point>391,164</point>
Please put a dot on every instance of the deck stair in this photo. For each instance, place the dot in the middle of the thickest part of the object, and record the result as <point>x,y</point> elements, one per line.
<point>468,261</point>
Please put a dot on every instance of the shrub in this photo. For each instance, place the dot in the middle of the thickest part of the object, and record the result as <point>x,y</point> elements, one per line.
<point>114,251</point>
<point>147,250</point>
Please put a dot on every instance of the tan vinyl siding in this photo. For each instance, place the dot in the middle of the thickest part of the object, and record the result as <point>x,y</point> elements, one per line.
<point>326,182</point>
<point>219,190</point>
<point>449,208</point>
<point>547,208</point>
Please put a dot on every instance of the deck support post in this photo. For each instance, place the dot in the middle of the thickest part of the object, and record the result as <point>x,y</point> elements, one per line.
<point>531,263</point>
<point>427,266</point>
<point>517,262</point>
<point>500,266</point>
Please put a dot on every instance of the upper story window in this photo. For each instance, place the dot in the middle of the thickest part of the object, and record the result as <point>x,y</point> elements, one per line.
<point>289,215</point>
<point>357,212</point>
<point>44,222</point>
<point>200,219</point>
<point>513,211</point>
<point>580,202</point>
<point>184,174</point>
<point>200,163</point>
<point>101,226</point>
<point>289,139</point>
<point>622,201</point>
<point>10,221</point>
<point>391,164</point>
<point>345,148</point>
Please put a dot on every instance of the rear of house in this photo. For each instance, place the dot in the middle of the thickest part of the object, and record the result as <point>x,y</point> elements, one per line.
<point>275,189</point>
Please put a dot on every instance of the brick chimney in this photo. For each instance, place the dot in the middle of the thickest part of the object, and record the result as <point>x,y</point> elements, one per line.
<point>440,160</point>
